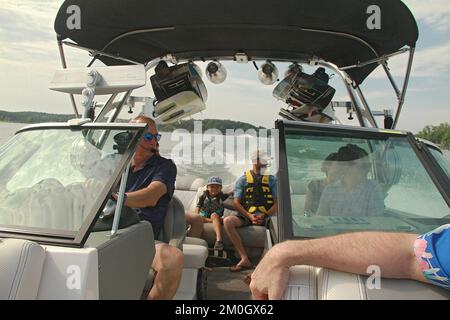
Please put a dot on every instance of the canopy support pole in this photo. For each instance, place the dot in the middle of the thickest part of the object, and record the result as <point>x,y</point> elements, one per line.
<point>108,107</point>
<point>391,79</point>
<point>405,86</point>
<point>369,113</point>
<point>120,202</point>
<point>348,84</point>
<point>64,65</point>
<point>377,60</point>
<point>100,53</point>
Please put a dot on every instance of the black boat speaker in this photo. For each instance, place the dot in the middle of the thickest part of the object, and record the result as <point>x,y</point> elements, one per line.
<point>300,89</point>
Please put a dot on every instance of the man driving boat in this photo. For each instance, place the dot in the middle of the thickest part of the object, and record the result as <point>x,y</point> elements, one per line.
<point>149,189</point>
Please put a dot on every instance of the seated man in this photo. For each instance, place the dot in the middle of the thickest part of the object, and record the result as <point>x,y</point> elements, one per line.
<point>255,200</point>
<point>149,189</point>
<point>316,187</point>
<point>424,258</point>
<point>353,195</point>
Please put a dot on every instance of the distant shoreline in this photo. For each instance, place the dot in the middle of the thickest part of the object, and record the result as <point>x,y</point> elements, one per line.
<point>29,117</point>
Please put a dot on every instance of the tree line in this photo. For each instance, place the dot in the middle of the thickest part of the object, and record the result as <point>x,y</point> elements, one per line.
<point>40,117</point>
<point>33,117</point>
<point>439,135</point>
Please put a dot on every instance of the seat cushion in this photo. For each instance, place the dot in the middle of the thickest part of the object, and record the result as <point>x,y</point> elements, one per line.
<point>194,256</point>
<point>196,241</point>
<point>335,285</point>
<point>21,264</point>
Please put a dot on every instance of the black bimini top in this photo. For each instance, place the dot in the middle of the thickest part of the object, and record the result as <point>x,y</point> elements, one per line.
<point>292,30</point>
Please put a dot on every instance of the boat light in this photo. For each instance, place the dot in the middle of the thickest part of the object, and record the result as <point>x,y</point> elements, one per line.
<point>294,68</point>
<point>216,72</point>
<point>268,73</point>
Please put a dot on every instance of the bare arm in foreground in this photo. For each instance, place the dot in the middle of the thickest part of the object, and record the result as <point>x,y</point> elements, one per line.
<point>352,252</point>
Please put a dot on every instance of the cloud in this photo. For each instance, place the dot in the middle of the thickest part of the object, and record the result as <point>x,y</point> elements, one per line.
<point>428,62</point>
<point>435,13</point>
<point>27,38</point>
<point>23,21</point>
<point>433,61</point>
<point>26,31</point>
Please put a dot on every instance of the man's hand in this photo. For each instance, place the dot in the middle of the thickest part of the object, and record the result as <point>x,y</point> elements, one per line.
<point>253,218</point>
<point>257,219</point>
<point>270,278</point>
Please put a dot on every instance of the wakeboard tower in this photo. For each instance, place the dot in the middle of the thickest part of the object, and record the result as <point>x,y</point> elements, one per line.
<point>351,38</point>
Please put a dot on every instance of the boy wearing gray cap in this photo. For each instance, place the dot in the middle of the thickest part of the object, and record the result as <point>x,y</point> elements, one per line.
<point>210,207</point>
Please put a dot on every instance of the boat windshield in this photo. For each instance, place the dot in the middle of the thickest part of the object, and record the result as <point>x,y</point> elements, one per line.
<point>57,179</point>
<point>342,184</point>
<point>441,160</point>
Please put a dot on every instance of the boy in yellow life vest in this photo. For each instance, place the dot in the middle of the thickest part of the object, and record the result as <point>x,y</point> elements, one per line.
<point>255,200</point>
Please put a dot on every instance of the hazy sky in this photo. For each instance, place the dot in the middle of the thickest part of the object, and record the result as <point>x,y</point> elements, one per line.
<point>29,56</point>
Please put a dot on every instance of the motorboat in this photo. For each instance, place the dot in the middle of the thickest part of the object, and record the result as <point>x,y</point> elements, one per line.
<point>56,231</point>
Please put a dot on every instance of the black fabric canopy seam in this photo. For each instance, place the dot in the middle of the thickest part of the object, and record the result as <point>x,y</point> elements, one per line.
<point>240,26</point>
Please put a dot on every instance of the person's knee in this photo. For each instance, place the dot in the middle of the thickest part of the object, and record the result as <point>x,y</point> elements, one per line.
<point>170,258</point>
<point>173,257</point>
<point>215,216</point>
<point>229,223</point>
<point>193,218</point>
<point>196,223</point>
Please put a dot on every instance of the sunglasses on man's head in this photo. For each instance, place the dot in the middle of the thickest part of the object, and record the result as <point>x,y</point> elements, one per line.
<point>150,136</point>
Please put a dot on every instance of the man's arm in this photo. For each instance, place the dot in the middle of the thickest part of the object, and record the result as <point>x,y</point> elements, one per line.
<point>324,203</point>
<point>273,209</point>
<point>351,252</point>
<point>146,197</point>
<point>239,208</point>
<point>273,187</point>
<point>238,193</point>
<point>310,191</point>
<point>162,183</point>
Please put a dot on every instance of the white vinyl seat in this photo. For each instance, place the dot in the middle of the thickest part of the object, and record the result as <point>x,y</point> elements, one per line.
<point>21,265</point>
<point>312,283</point>
<point>195,253</point>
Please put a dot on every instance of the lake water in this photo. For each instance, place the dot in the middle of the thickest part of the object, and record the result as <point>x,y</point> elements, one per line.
<point>7,130</point>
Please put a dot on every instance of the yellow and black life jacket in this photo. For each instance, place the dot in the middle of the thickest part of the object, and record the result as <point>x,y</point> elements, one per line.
<point>257,193</point>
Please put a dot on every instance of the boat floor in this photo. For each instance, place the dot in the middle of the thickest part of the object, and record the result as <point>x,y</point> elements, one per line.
<point>224,284</point>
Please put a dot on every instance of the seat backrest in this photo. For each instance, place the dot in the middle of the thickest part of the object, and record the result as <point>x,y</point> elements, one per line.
<point>189,183</point>
<point>125,260</point>
<point>21,264</point>
<point>174,230</point>
<point>186,188</point>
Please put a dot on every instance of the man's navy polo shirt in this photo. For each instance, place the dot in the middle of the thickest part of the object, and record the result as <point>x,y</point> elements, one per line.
<point>159,169</point>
